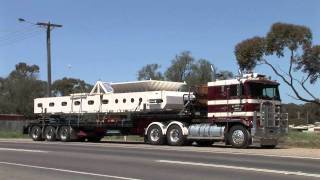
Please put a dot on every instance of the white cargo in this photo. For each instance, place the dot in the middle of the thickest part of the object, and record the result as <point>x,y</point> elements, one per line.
<point>117,97</point>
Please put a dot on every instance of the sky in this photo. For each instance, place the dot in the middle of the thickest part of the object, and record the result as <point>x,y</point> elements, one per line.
<point>111,40</point>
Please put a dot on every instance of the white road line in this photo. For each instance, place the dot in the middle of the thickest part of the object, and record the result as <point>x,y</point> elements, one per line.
<point>23,150</point>
<point>164,148</point>
<point>68,171</point>
<point>297,173</point>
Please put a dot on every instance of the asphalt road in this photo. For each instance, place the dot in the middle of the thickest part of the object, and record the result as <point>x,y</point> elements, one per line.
<point>56,160</point>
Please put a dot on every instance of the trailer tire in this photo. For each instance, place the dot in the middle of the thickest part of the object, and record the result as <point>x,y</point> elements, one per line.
<point>65,134</point>
<point>50,133</point>
<point>36,133</point>
<point>239,136</point>
<point>155,135</point>
<point>175,136</point>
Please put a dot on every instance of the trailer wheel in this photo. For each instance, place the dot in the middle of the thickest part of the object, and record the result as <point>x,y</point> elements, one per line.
<point>65,134</point>
<point>175,136</point>
<point>36,133</point>
<point>239,136</point>
<point>155,136</point>
<point>50,133</point>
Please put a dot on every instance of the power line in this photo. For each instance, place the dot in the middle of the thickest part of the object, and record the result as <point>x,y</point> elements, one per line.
<point>19,39</point>
<point>17,32</point>
<point>20,36</point>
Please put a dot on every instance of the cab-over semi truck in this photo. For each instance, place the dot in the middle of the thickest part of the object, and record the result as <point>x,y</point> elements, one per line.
<point>237,111</point>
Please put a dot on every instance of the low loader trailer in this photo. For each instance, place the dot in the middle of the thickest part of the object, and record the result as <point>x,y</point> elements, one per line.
<point>238,112</point>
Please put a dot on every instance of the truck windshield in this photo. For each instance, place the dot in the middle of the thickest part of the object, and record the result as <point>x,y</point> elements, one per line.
<point>264,91</point>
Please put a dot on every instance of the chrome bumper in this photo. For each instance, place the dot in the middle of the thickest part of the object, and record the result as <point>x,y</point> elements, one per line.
<point>267,135</point>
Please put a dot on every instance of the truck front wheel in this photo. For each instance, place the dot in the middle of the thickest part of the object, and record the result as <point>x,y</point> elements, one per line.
<point>36,133</point>
<point>175,136</point>
<point>239,136</point>
<point>155,135</point>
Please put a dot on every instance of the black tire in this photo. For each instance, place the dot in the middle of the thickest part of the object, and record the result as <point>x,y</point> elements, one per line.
<point>205,143</point>
<point>175,136</point>
<point>145,139</point>
<point>50,133</point>
<point>155,135</point>
<point>239,136</point>
<point>65,133</point>
<point>36,133</point>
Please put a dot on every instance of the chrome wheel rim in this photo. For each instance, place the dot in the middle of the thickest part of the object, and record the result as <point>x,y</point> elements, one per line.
<point>238,137</point>
<point>64,133</point>
<point>49,134</point>
<point>174,135</point>
<point>154,135</point>
<point>35,133</point>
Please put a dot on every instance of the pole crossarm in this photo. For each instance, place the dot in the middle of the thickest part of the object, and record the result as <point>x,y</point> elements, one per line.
<point>48,26</point>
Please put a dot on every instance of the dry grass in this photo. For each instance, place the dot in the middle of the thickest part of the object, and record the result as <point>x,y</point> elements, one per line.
<point>303,139</point>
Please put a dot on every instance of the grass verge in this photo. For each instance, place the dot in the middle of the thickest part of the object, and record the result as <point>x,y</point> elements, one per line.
<point>12,134</point>
<point>303,139</point>
<point>122,138</point>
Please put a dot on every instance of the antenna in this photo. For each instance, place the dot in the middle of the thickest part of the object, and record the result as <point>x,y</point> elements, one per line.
<point>213,71</point>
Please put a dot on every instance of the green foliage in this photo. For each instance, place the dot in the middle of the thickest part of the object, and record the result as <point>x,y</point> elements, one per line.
<point>224,74</point>
<point>298,113</point>
<point>282,38</point>
<point>181,67</point>
<point>283,35</point>
<point>150,71</point>
<point>200,73</point>
<point>67,86</point>
<point>184,68</point>
<point>249,52</point>
<point>22,86</point>
<point>310,63</point>
<point>12,134</point>
<point>18,90</point>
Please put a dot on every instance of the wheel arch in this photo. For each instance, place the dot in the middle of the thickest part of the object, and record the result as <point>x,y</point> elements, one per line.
<point>183,127</point>
<point>162,126</point>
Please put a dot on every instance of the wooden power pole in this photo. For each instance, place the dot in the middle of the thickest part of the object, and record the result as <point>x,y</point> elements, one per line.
<point>49,27</point>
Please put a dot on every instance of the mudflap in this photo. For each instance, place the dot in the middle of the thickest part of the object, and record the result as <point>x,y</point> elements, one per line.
<point>25,130</point>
